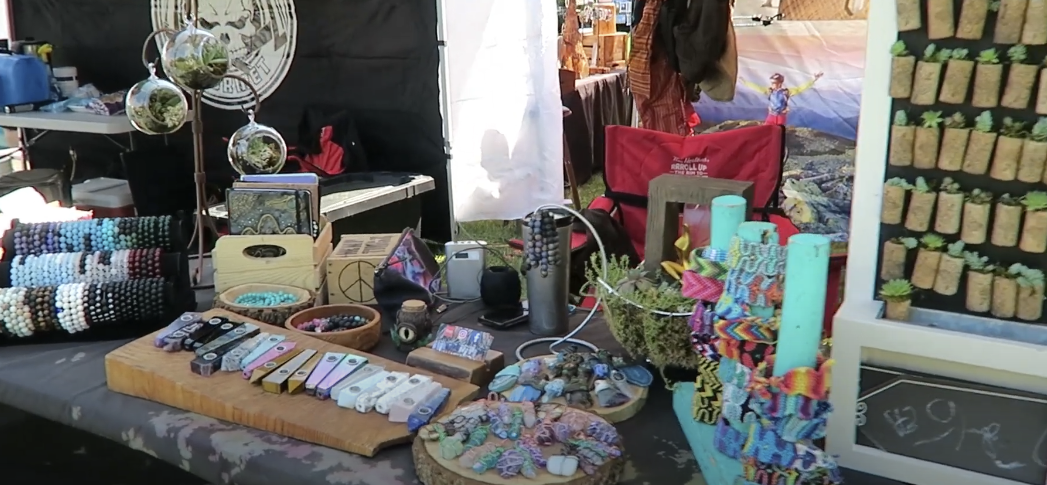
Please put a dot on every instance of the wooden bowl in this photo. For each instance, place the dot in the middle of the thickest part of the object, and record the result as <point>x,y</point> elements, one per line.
<point>362,338</point>
<point>275,315</point>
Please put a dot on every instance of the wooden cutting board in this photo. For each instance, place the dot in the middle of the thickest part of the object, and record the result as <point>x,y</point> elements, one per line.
<point>141,370</point>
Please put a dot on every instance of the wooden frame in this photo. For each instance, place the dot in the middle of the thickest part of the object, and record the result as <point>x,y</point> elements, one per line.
<point>666,196</point>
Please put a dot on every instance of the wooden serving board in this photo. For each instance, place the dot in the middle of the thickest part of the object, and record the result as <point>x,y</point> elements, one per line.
<point>141,370</point>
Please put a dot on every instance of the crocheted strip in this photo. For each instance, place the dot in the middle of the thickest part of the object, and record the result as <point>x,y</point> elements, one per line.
<point>757,473</point>
<point>748,329</point>
<point>749,354</point>
<point>705,346</point>
<point>765,446</point>
<point>714,255</point>
<point>753,289</point>
<point>805,381</point>
<point>728,440</point>
<point>698,287</point>
<point>708,268</point>
<point>729,308</point>
<point>708,397</point>
<point>781,405</point>
<point>754,257</point>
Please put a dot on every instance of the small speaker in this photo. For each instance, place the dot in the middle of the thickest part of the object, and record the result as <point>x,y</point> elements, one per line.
<point>464,266</point>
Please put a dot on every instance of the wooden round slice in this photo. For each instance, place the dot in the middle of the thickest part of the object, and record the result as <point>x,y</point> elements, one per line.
<point>432,469</point>
<point>616,414</point>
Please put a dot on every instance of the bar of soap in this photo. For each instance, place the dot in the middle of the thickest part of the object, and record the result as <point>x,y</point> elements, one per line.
<point>407,403</point>
<point>385,403</point>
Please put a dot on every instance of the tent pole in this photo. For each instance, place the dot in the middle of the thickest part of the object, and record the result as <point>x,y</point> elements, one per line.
<point>445,109</point>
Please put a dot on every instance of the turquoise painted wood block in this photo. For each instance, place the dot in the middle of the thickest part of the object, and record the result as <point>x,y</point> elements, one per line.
<point>717,468</point>
<point>728,213</point>
<point>803,306</point>
<point>765,233</point>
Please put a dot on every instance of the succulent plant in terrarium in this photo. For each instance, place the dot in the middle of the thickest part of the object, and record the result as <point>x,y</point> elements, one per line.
<point>1018,54</point>
<point>195,58</point>
<point>907,242</point>
<point>932,242</point>
<point>256,148</point>
<point>899,182</point>
<point>955,249</point>
<point>959,54</point>
<point>156,106</point>
<point>1034,201</point>
<point>635,280</point>
<point>933,54</point>
<point>977,262</point>
<point>979,196</point>
<point>897,294</point>
<point>950,186</point>
<point>956,120</point>
<point>921,186</point>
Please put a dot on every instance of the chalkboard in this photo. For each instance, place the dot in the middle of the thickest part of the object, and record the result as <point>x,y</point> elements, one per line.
<point>984,429</point>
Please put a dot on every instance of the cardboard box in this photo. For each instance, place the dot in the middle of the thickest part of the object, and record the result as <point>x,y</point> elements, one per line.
<point>351,266</point>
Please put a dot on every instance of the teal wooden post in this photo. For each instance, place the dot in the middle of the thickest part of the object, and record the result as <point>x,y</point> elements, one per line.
<point>728,212</point>
<point>806,277</point>
<point>764,233</point>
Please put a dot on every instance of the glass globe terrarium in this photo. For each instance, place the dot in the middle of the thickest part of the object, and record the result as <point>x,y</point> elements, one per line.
<point>195,58</point>
<point>156,106</point>
<point>256,148</point>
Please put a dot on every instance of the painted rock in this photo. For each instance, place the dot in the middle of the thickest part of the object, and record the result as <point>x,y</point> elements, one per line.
<point>638,375</point>
<point>561,465</point>
<point>524,393</point>
<point>553,390</point>
<point>505,379</point>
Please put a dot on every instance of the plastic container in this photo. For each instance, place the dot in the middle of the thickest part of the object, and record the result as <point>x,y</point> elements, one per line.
<point>23,79</point>
<point>106,197</point>
<point>66,80</point>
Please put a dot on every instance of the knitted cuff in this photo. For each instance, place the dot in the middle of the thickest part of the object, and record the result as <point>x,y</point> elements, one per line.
<point>749,354</point>
<point>766,447</point>
<point>807,382</point>
<point>758,258</point>
<point>794,418</point>
<point>748,329</point>
<point>735,378</point>
<point>756,473</point>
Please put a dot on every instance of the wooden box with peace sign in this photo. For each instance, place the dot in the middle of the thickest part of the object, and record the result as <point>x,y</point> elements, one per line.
<point>350,268</point>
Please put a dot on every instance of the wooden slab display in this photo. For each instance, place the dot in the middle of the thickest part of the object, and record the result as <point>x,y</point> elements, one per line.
<point>139,369</point>
<point>667,194</point>
<point>616,414</point>
<point>471,371</point>
<point>432,469</point>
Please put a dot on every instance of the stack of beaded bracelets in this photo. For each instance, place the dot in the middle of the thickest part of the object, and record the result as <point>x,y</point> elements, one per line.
<point>93,235</point>
<point>98,267</point>
<point>76,307</point>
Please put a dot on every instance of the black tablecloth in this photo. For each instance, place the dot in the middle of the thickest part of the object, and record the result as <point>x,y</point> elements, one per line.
<point>66,383</point>
<point>598,101</point>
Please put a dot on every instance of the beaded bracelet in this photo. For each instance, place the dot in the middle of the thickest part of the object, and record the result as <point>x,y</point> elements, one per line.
<point>805,381</point>
<point>93,235</point>
<point>75,307</point>
<point>97,267</point>
<point>748,329</point>
<point>708,392</point>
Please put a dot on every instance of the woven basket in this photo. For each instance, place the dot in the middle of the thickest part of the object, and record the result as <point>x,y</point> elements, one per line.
<point>275,315</point>
<point>362,338</point>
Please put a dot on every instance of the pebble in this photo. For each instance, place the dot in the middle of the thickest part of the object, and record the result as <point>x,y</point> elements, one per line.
<point>333,323</point>
<point>265,299</point>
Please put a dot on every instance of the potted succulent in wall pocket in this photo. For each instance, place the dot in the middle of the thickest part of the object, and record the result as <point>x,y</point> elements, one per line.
<point>958,72</point>
<point>894,200</point>
<point>954,143</point>
<point>921,206</point>
<point>950,268</point>
<point>988,74</point>
<point>1041,94</point>
<point>927,259</point>
<point>941,19</point>
<point>979,282</point>
<point>1010,16</point>
<point>950,208</point>
<point>897,298</point>
<point>1030,294</point>
<point>1034,229</point>
<point>1021,77</point>
<point>903,63</point>
<point>1007,222</point>
<point>1008,150</point>
<point>928,74</point>
<point>1034,32</point>
<point>1005,291</point>
<point>1034,154</point>
<point>910,15</point>
<point>971,25</point>
<point>980,145</point>
<point>895,254</point>
<point>903,135</point>
<point>976,209</point>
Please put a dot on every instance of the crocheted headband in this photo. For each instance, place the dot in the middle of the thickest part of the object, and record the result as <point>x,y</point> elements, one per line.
<point>807,382</point>
<point>754,257</point>
<point>748,329</point>
<point>708,392</point>
<point>749,354</point>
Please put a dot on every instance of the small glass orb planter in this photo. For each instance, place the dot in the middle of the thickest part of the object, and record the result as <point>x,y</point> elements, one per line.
<point>256,148</point>
<point>156,106</point>
<point>195,58</point>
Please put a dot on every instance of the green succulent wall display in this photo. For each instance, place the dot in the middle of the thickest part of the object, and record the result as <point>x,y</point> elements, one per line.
<point>897,290</point>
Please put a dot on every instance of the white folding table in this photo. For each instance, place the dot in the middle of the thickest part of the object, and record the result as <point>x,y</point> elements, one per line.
<point>41,123</point>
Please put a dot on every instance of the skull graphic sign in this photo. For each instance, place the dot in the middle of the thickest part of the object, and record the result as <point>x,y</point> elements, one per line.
<point>260,36</point>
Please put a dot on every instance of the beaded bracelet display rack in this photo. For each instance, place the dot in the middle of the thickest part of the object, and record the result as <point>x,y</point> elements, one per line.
<point>93,235</point>
<point>97,267</point>
<point>76,307</point>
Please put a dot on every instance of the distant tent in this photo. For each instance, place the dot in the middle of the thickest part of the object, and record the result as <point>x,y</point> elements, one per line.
<point>824,9</point>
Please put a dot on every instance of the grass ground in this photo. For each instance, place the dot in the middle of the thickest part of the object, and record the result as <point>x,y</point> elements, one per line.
<point>498,233</point>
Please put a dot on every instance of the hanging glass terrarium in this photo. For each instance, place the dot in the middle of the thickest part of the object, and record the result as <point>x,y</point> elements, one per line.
<point>256,148</point>
<point>195,58</point>
<point>156,106</point>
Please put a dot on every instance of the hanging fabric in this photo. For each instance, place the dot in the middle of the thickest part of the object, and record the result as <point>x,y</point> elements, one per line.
<point>657,89</point>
